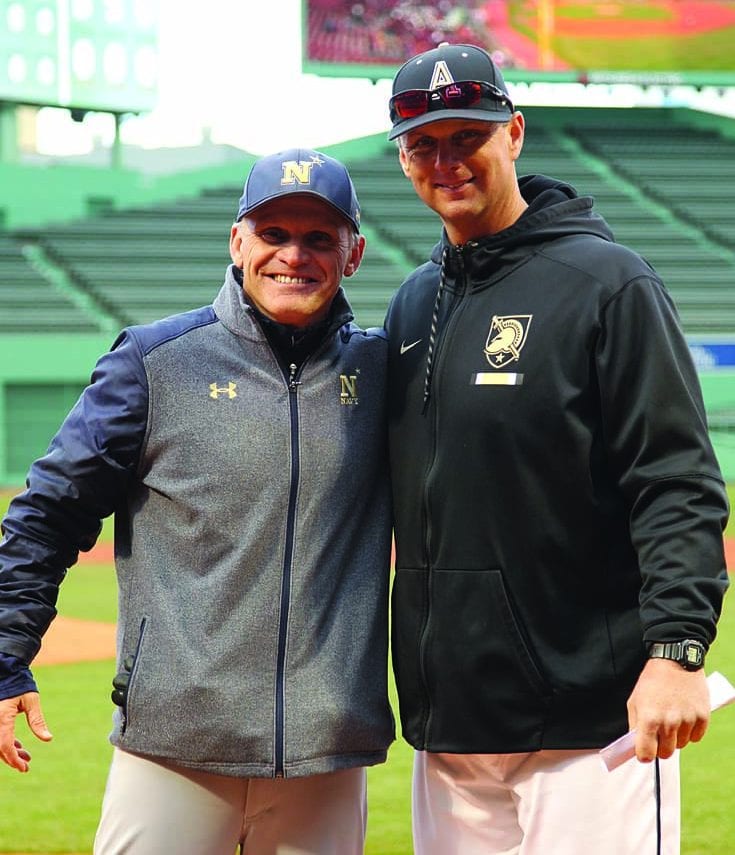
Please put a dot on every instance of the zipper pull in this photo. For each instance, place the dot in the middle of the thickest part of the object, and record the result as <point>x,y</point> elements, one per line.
<point>292,384</point>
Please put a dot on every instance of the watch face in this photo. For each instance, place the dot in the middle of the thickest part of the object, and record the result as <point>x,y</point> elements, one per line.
<point>693,655</point>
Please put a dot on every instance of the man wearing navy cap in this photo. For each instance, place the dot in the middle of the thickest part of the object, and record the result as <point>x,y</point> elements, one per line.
<point>242,447</point>
<point>558,506</point>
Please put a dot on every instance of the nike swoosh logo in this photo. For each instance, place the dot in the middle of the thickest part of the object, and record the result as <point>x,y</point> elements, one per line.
<point>405,347</point>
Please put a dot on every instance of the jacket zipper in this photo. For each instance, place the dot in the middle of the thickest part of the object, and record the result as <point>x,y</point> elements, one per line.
<point>133,671</point>
<point>280,736</point>
<point>427,523</point>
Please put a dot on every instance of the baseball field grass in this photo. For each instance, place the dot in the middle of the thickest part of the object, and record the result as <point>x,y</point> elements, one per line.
<point>634,35</point>
<point>54,808</point>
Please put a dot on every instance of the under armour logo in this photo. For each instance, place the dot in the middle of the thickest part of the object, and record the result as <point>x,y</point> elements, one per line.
<point>215,391</point>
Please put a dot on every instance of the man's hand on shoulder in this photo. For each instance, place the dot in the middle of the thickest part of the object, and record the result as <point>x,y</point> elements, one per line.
<point>11,749</point>
<point>668,708</point>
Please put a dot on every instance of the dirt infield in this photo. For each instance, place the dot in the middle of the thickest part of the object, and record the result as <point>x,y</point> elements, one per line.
<point>72,640</point>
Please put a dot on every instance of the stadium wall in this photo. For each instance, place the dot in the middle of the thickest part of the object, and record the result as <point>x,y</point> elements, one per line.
<point>40,378</point>
<point>715,361</point>
<point>718,388</point>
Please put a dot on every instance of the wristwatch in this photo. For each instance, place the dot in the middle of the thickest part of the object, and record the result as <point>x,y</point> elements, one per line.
<point>688,653</point>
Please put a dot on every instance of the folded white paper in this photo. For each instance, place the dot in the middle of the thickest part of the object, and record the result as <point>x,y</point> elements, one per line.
<point>721,692</point>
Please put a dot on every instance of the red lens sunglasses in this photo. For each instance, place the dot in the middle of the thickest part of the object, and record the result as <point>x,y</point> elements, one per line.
<point>453,96</point>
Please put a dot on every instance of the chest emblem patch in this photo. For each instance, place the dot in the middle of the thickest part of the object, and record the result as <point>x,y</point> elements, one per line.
<point>505,340</point>
<point>348,389</point>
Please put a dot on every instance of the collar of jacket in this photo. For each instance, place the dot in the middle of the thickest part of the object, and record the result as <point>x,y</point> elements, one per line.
<point>554,210</point>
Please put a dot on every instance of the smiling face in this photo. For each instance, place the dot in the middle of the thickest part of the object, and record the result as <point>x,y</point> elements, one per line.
<point>465,171</point>
<point>293,252</point>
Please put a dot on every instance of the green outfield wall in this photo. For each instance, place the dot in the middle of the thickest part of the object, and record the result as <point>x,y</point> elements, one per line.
<point>40,378</point>
<point>718,388</point>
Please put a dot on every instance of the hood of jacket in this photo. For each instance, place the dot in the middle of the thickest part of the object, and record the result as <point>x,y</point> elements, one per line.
<point>554,210</point>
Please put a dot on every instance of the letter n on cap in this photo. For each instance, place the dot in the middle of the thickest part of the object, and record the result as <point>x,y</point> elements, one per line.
<point>296,171</point>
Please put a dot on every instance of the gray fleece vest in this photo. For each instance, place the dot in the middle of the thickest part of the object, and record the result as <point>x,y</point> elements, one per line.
<point>253,556</point>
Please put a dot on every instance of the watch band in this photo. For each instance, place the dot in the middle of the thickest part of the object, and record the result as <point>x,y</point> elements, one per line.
<point>689,653</point>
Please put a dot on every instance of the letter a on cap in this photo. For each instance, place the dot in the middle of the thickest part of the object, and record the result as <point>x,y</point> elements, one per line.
<point>441,76</point>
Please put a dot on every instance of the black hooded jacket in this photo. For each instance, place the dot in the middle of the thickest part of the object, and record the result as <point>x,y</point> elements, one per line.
<point>558,503</point>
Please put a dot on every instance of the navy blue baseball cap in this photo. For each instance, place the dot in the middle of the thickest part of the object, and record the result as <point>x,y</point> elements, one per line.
<point>448,82</point>
<point>301,170</point>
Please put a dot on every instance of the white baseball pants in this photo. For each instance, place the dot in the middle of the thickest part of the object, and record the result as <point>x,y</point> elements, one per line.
<point>152,807</point>
<point>544,803</point>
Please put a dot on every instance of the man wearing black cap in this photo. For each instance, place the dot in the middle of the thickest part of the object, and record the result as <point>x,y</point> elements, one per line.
<point>558,506</point>
<point>242,447</point>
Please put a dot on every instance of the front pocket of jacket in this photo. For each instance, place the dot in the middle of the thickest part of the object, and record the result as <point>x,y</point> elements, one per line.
<point>476,639</point>
<point>129,694</point>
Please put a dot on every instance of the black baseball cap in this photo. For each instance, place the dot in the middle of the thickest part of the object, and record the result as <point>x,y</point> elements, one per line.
<point>301,170</point>
<point>435,80</point>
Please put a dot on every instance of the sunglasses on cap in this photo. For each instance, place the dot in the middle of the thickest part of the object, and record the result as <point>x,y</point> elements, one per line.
<point>453,96</point>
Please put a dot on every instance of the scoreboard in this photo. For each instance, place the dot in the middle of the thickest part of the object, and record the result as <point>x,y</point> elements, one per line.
<point>81,54</point>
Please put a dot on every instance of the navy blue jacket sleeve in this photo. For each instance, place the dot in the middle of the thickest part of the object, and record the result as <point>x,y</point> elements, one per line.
<point>69,491</point>
<point>15,678</point>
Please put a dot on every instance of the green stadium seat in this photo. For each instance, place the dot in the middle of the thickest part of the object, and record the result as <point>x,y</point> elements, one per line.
<point>28,303</point>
